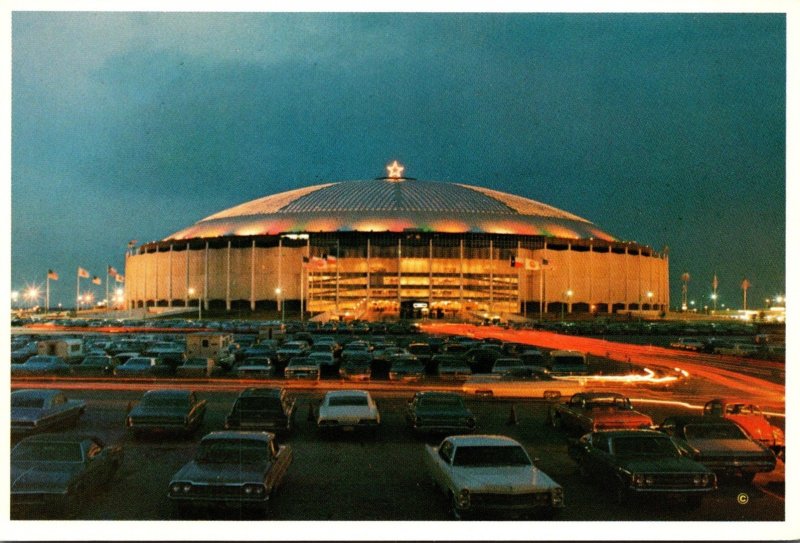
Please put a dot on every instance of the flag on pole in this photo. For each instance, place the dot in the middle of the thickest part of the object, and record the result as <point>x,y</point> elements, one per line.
<point>52,275</point>
<point>517,262</point>
<point>119,278</point>
<point>83,273</point>
<point>96,280</point>
<point>111,271</point>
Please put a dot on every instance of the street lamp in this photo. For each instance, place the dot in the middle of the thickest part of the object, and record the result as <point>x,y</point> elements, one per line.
<point>650,299</point>
<point>32,294</point>
<point>714,299</point>
<point>279,300</point>
<point>199,303</point>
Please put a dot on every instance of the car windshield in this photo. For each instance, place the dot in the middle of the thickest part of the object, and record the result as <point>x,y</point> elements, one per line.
<point>713,431</point>
<point>347,401</point>
<point>94,361</point>
<point>136,362</point>
<point>441,401</point>
<point>644,446</point>
<point>231,451</point>
<point>609,401</point>
<point>50,451</point>
<point>488,456</point>
<point>259,404</point>
<point>27,401</point>
<point>165,401</point>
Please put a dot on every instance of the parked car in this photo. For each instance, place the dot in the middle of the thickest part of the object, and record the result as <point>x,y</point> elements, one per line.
<point>96,365</point>
<point>590,411</point>
<point>269,409</point>
<point>41,364</point>
<point>406,367</point>
<point>324,360</point>
<point>562,362</point>
<point>302,367</point>
<point>21,354</point>
<point>255,368</point>
<point>38,410</point>
<point>720,445</point>
<point>631,463</point>
<point>348,410</point>
<point>451,367</point>
<point>505,365</point>
<point>167,410</point>
<point>231,469</point>
<point>490,474</point>
<point>750,419</point>
<point>439,412</point>
<point>198,367</point>
<point>357,367</point>
<point>54,474</point>
<point>140,366</point>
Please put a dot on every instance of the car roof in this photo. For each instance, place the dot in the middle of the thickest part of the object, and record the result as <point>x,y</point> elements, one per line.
<point>36,392</point>
<point>631,432</point>
<point>437,394</point>
<point>483,440</point>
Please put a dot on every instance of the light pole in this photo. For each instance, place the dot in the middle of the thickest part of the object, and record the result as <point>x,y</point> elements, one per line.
<point>14,298</point>
<point>279,300</point>
<point>568,296</point>
<point>199,303</point>
<point>650,299</point>
<point>714,300</point>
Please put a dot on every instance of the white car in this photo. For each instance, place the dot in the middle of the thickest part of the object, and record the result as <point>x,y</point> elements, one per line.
<point>348,410</point>
<point>491,474</point>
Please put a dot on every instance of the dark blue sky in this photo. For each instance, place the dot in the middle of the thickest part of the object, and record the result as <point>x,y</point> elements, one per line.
<point>663,129</point>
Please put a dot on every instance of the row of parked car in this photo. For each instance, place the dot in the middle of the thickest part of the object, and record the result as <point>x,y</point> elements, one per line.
<point>298,356</point>
<point>241,465</point>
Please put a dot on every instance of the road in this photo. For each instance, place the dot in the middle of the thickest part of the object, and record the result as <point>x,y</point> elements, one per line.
<point>382,478</point>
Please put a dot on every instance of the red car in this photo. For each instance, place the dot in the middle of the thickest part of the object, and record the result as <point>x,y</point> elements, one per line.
<point>591,411</point>
<point>749,418</point>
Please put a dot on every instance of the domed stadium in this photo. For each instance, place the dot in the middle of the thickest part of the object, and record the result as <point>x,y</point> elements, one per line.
<point>397,247</point>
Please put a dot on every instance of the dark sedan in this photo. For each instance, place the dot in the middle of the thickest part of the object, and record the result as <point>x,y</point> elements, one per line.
<point>42,409</point>
<point>54,473</point>
<point>167,411</point>
<point>41,364</point>
<point>140,366</point>
<point>96,365</point>
<point>641,462</point>
<point>720,445</point>
<point>262,409</point>
<point>439,412</point>
<point>239,470</point>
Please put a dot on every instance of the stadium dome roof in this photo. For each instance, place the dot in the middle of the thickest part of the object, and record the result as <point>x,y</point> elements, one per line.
<point>393,204</point>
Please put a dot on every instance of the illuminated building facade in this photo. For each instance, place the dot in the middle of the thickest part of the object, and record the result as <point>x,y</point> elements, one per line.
<point>397,246</point>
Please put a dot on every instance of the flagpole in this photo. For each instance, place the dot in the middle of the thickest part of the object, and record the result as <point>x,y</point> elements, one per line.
<point>107,281</point>
<point>78,292</point>
<point>47,295</point>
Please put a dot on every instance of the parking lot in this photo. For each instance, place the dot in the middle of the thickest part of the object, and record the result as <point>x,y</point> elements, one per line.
<point>354,477</point>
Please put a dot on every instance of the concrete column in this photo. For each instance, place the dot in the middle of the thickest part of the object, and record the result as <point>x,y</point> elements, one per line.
<point>186,290</point>
<point>253,276</point>
<point>169,278</point>
<point>228,278</point>
<point>205,280</point>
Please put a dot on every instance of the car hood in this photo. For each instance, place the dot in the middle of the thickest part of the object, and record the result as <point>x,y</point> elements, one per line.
<point>660,465</point>
<point>345,411</point>
<point>726,446</point>
<point>517,479</point>
<point>222,473</point>
<point>43,477</point>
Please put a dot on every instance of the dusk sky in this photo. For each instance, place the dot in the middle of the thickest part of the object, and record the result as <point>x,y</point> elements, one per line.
<point>668,130</point>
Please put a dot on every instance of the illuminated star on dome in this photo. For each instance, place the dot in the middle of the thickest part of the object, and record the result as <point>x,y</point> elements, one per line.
<point>395,170</point>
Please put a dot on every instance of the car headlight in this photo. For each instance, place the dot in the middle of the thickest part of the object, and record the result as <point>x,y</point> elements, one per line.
<point>462,500</point>
<point>649,480</point>
<point>253,490</point>
<point>557,496</point>
<point>178,488</point>
<point>701,480</point>
<point>638,479</point>
<point>129,421</point>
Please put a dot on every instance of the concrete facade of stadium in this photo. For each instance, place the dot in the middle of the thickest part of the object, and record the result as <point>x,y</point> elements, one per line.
<point>394,247</point>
